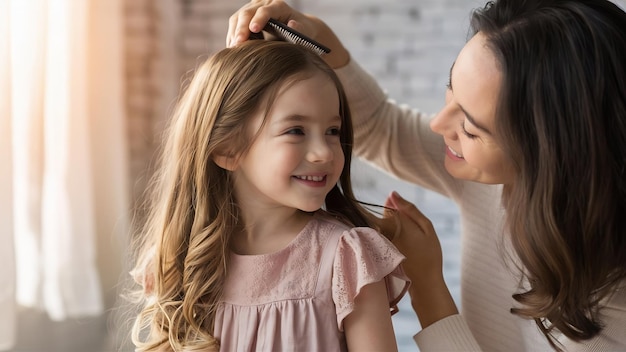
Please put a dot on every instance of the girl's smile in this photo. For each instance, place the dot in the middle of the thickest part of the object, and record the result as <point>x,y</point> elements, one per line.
<point>313,181</point>
<point>296,157</point>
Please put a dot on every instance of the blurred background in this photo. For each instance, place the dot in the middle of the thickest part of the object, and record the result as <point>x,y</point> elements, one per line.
<point>85,88</point>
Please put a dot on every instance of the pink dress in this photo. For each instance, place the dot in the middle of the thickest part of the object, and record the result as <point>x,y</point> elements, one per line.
<point>297,298</point>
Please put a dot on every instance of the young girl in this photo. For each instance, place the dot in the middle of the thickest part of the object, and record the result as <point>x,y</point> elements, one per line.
<point>236,253</point>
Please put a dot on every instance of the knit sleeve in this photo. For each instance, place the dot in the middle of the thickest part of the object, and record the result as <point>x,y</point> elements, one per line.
<point>449,334</point>
<point>394,137</point>
<point>363,257</point>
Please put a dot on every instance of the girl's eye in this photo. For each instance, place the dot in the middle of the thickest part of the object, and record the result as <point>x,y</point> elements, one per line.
<point>295,130</point>
<point>449,83</point>
<point>335,131</point>
<point>469,135</point>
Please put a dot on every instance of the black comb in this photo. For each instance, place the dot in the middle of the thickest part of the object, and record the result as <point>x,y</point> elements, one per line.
<point>279,31</point>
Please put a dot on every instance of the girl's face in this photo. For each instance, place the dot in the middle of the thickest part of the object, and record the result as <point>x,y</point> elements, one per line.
<point>467,121</point>
<point>296,158</point>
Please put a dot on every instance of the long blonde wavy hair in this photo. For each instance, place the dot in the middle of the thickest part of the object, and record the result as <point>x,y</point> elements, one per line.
<point>182,253</point>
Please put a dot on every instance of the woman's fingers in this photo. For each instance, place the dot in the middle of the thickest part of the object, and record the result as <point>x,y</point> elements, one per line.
<point>415,235</point>
<point>234,24</point>
<point>253,16</point>
<point>389,225</point>
<point>240,23</point>
<point>410,210</point>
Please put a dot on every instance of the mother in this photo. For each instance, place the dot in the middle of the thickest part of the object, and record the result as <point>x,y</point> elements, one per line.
<point>534,153</point>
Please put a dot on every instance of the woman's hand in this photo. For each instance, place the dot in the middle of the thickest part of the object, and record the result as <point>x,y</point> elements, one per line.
<point>413,234</point>
<point>252,17</point>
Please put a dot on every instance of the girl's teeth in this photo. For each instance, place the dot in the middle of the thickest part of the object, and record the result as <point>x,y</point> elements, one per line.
<point>311,178</point>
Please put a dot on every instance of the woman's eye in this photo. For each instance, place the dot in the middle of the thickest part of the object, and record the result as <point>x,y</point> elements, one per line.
<point>469,135</point>
<point>449,83</point>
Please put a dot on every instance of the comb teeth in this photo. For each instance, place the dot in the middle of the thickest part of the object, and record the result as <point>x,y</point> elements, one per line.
<point>288,34</point>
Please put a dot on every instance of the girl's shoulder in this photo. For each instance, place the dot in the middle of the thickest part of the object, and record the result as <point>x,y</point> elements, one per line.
<point>363,256</point>
<point>329,219</point>
<point>345,231</point>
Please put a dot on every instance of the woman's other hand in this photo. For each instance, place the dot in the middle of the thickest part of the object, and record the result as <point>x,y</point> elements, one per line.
<point>252,17</point>
<point>414,235</point>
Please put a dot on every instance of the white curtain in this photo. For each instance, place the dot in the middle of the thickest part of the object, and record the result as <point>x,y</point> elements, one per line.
<point>63,177</point>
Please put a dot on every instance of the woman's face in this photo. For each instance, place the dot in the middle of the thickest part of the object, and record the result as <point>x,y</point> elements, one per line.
<point>467,121</point>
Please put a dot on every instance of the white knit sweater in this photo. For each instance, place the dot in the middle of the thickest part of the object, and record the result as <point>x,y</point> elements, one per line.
<point>398,140</point>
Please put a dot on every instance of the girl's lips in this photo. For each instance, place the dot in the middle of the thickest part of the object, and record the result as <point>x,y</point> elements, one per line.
<point>313,181</point>
<point>453,154</point>
<point>311,178</point>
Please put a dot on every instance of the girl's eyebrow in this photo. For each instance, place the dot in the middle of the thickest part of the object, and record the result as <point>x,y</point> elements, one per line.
<point>469,117</point>
<point>293,118</point>
<point>298,118</point>
<point>288,119</point>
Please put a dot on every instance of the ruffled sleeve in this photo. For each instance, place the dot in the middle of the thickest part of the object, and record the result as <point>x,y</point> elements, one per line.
<point>364,256</point>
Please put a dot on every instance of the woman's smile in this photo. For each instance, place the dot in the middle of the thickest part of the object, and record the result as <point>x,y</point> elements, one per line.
<point>453,153</point>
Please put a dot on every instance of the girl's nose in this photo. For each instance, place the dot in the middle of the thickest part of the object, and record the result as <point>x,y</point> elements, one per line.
<point>319,151</point>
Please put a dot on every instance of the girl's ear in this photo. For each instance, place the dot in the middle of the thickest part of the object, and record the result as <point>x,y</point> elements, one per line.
<point>226,162</point>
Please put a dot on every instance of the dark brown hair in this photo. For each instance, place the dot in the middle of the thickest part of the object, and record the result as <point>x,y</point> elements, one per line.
<point>562,119</point>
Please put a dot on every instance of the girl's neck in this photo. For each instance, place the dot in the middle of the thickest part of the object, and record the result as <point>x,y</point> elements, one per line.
<point>268,234</point>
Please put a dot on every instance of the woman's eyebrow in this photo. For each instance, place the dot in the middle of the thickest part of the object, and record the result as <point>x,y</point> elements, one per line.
<point>473,121</point>
<point>469,117</point>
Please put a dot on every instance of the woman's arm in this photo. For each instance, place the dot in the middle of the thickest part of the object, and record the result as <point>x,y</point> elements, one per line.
<point>368,327</point>
<point>394,137</point>
<point>443,329</point>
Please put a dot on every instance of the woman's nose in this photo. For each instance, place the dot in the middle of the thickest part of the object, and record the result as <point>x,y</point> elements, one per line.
<point>443,122</point>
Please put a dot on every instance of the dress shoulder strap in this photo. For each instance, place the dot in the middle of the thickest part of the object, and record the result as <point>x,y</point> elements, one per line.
<point>327,260</point>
